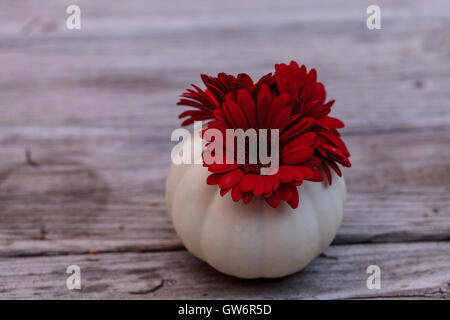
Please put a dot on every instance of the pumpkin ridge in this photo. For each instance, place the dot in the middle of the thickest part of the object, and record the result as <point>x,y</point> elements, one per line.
<point>207,208</point>
<point>322,229</point>
<point>207,216</point>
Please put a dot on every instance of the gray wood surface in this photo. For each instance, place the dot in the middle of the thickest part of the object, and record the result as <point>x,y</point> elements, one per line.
<point>85,127</point>
<point>408,272</point>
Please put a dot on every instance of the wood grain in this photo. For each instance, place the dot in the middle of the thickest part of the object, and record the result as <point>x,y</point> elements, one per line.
<point>407,271</point>
<point>62,207</point>
<point>95,108</point>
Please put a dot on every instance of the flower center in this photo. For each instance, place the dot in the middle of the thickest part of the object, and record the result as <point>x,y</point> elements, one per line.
<point>252,168</point>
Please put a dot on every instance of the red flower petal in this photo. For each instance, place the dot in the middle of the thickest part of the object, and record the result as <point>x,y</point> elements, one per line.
<point>303,171</point>
<point>281,120</point>
<point>313,162</point>
<point>319,91</point>
<point>295,129</point>
<point>336,154</point>
<point>236,193</point>
<point>330,123</point>
<point>228,108</point>
<point>221,168</point>
<point>306,139</point>
<point>278,104</point>
<point>248,182</point>
<point>285,192</point>
<point>259,186</point>
<point>336,140</point>
<point>245,81</point>
<point>297,154</point>
<point>247,197</point>
<point>275,181</point>
<point>248,106</point>
<point>334,166</point>
<point>267,184</point>
<point>213,179</point>
<point>289,174</point>
<point>293,201</point>
<point>231,178</point>
<point>274,199</point>
<point>317,176</point>
<point>327,173</point>
<point>224,191</point>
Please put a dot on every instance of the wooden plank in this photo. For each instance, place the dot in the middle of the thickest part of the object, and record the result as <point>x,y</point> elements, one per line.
<point>106,192</point>
<point>99,125</point>
<point>72,76</point>
<point>420,270</point>
<point>95,108</point>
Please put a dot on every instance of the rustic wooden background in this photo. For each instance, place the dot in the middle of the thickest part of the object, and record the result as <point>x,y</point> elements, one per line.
<point>85,127</point>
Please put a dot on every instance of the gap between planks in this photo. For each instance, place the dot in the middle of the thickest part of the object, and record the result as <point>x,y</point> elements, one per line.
<point>177,245</point>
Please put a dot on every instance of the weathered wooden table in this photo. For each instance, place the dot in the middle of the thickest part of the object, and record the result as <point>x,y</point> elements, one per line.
<point>85,124</point>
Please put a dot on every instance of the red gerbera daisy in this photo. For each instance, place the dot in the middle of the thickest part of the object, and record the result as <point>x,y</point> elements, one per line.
<point>291,101</point>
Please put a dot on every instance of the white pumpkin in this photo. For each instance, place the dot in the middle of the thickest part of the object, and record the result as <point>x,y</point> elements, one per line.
<point>253,240</point>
